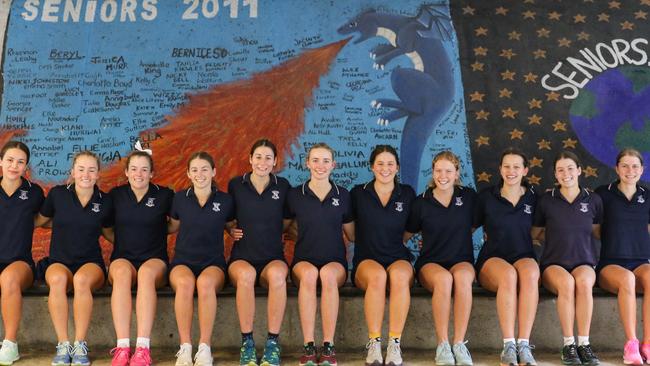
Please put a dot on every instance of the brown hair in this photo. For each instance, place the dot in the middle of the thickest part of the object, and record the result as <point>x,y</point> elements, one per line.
<point>383,149</point>
<point>625,152</point>
<point>451,157</point>
<point>138,153</point>
<point>264,142</point>
<point>514,151</point>
<point>86,153</point>
<point>320,145</point>
<point>566,155</point>
<point>203,156</point>
<point>13,144</point>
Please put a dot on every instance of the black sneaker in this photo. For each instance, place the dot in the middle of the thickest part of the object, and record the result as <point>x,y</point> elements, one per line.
<point>587,355</point>
<point>570,355</point>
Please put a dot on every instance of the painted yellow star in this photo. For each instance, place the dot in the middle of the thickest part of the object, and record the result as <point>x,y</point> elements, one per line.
<point>564,42</point>
<point>528,14</point>
<point>483,177</point>
<point>534,180</point>
<point>477,66</point>
<point>583,36</point>
<point>468,10</point>
<point>480,51</point>
<point>501,11</point>
<point>482,114</point>
<point>602,17</point>
<point>552,96</point>
<point>509,54</point>
<point>614,5</point>
<point>645,2</point>
<point>505,93</point>
<point>483,140</point>
<point>476,96</point>
<point>554,15</point>
<point>559,126</point>
<point>508,75</point>
<point>539,53</point>
<point>480,31</point>
<point>516,134</point>
<point>640,15</point>
<point>530,78</point>
<point>536,162</point>
<point>534,120</point>
<point>534,103</point>
<point>509,113</point>
<point>627,25</point>
<point>591,172</point>
<point>569,143</point>
<point>514,35</point>
<point>543,144</point>
<point>579,18</point>
<point>543,33</point>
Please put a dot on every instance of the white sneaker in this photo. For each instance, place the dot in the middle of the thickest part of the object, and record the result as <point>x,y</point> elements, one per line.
<point>374,357</point>
<point>9,353</point>
<point>203,356</point>
<point>184,355</point>
<point>393,353</point>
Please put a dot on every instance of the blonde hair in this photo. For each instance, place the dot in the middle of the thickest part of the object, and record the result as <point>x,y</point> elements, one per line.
<point>86,153</point>
<point>320,145</point>
<point>449,156</point>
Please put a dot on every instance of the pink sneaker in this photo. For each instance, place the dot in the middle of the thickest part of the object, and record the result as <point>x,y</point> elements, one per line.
<point>631,355</point>
<point>645,351</point>
<point>141,357</point>
<point>120,356</point>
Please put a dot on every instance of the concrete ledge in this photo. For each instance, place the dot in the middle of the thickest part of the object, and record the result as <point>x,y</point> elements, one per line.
<point>483,333</point>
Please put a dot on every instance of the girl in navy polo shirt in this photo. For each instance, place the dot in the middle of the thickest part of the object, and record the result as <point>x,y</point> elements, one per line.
<point>78,212</point>
<point>506,263</point>
<point>381,209</point>
<point>444,215</point>
<point>320,209</point>
<point>625,252</point>
<point>258,252</point>
<point>20,201</point>
<point>570,216</point>
<point>139,255</point>
<point>200,214</point>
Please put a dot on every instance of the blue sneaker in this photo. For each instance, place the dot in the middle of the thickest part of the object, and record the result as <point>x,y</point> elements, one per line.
<point>271,353</point>
<point>80,354</point>
<point>247,354</point>
<point>62,357</point>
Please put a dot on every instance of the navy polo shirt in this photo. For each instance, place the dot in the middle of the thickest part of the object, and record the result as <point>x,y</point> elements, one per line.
<point>446,231</point>
<point>379,230</point>
<point>260,218</point>
<point>76,229</point>
<point>568,228</point>
<point>200,238</point>
<point>320,238</point>
<point>17,221</point>
<point>507,227</point>
<point>624,231</point>
<point>140,227</point>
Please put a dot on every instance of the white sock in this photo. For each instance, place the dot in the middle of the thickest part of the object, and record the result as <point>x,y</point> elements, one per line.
<point>506,340</point>
<point>123,342</point>
<point>569,341</point>
<point>522,340</point>
<point>142,342</point>
<point>583,340</point>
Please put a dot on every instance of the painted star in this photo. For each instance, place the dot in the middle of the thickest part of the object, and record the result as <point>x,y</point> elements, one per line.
<point>602,17</point>
<point>477,66</point>
<point>480,31</point>
<point>569,143</point>
<point>476,96</point>
<point>483,140</point>
<point>591,172</point>
<point>554,15</point>
<point>564,42</point>
<point>539,53</point>
<point>534,120</point>
<point>528,14</point>
<point>534,180</point>
<point>543,144</point>
<point>583,36</point>
<point>508,75</point>
<point>480,51</point>
<point>534,103</point>
<point>501,11</point>
<point>579,18</point>
<point>614,5</point>
<point>543,33</point>
<point>552,96</point>
<point>483,177</point>
<point>640,15</point>
<point>509,54</point>
<point>559,126</point>
<point>468,10</point>
<point>627,25</point>
<point>516,134</point>
<point>482,114</point>
<point>509,113</point>
<point>530,78</point>
<point>505,93</point>
<point>536,162</point>
<point>645,2</point>
<point>514,35</point>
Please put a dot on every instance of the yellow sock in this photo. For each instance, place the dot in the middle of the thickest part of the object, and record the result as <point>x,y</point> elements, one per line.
<point>394,335</point>
<point>374,335</point>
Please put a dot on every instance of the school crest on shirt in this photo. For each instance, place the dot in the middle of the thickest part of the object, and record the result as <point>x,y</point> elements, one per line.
<point>216,206</point>
<point>399,206</point>
<point>335,201</point>
<point>23,195</point>
<point>528,209</point>
<point>275,195</point>
<point>640,199</point>
<point>459,201</point>
<point>150,202</point>
<point>96,207</point>
<point>584,207</point>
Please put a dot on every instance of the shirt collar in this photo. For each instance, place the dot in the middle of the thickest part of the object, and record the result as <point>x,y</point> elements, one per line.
<point>333,191</point>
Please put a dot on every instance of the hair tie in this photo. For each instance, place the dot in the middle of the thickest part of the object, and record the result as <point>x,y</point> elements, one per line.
<point>138,146</point>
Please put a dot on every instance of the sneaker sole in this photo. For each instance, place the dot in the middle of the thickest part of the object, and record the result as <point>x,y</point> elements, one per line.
<point>268,364</point>
<point>374,363</point>
<point>528,364</point>
<point>508,364</point>
<point>252,363</point>
<point>8,363</point>
<point>393,364</point>
<point>626,362</point>
<point>310,363</point>
<point>60,364</point>
<point>327,364</point>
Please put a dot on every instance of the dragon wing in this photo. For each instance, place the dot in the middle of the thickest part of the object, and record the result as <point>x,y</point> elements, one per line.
<point>436,21</point>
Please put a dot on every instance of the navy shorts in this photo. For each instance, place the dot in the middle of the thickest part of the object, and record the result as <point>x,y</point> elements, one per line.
<point>31,265</point>
<point>568,268</point>
<point>481,261</point>
<point>138,263</point>
<point>197,269</point>
<point>629,264</point>
<point>45,263</point>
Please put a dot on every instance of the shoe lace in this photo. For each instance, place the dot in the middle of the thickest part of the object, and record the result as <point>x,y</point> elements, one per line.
<point>394,350</point>
<point>572,351</point>
<point>328,350</point>
<point>200,353</point>
<point>588,352</point>
<point>371,343</point>
<point>462,348</point>
<point>63,349</point>
<point>80,349</point>
<point>118,352</point>
<point>141,355</point>
<point>182,352</point>
<point>309,350</point>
